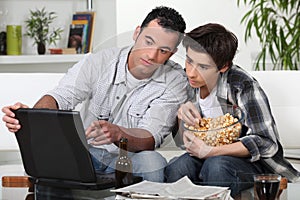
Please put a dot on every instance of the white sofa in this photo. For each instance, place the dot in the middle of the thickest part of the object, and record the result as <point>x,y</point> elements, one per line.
<point>282,87</point>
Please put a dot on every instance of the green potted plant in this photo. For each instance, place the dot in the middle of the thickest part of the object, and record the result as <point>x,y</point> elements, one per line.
<point>38,28</point>
<point>276,23</point>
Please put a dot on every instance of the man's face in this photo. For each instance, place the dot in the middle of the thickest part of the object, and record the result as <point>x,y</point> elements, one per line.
<point>153,47</point>
<point>201,70</point>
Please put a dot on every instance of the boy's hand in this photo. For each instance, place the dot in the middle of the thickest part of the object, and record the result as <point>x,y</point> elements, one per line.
<point>195,146</point>
<point>189,113</point>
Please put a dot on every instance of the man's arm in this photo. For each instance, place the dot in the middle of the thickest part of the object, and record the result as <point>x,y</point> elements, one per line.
<point>12,123</point>
<point>113,133</point>
<point>46,101</point>
<point>144,141</point>
<point>102,132</point>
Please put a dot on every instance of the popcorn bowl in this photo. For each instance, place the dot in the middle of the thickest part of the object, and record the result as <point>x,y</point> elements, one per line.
<point>221,130</point>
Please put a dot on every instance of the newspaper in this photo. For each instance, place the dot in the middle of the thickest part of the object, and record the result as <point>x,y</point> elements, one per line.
<point>182,189</point>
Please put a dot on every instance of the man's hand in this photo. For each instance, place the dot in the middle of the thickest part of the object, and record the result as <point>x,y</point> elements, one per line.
<point>189,113</point>
<point>102,132</point>
<point>9,118</point>
<point>195,146</point>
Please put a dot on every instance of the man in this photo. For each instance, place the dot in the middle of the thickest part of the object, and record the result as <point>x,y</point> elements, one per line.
<point>217,82</point>
<point>134,92</point>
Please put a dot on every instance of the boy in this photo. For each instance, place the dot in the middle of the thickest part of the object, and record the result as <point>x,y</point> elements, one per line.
<point>210,51</point>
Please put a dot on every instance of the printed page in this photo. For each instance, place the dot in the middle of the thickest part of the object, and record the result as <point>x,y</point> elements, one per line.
<point>182,189</point>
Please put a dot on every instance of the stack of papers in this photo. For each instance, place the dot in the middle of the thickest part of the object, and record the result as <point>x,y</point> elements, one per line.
<point>182,189</point>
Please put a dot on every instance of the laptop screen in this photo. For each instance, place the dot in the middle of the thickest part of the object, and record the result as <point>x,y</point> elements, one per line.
<point>53,145</point>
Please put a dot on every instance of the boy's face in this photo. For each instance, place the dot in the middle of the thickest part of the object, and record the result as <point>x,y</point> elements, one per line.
<point>153,47</point>
<point>201,70</point>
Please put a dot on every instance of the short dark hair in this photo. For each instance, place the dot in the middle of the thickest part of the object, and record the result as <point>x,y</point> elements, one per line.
<point>215,40</point>
<point>168,18</point>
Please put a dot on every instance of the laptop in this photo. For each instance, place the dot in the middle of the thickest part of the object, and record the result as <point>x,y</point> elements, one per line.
<point>54,150</point>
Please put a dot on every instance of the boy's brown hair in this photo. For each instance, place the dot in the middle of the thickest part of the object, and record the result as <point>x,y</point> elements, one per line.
<point>215,40</point>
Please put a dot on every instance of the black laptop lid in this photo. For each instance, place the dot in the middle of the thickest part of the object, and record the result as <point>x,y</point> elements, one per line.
<point>53,145</point>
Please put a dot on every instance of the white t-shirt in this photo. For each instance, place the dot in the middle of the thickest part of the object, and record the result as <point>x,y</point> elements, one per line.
<point>210,105</point>
<point>131,81</point>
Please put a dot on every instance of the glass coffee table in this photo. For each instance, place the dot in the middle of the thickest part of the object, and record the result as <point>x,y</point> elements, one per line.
<point>43,192</point>
<point>23,191</point>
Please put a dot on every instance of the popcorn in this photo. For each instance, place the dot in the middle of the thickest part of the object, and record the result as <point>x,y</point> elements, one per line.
<point>217,131</point>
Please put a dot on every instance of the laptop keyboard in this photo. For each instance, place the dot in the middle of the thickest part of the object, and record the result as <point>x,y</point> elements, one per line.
<point>106,180</point>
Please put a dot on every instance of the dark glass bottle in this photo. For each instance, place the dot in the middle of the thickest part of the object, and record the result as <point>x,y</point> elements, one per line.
<point>3,43</point>
<point>123,166</point>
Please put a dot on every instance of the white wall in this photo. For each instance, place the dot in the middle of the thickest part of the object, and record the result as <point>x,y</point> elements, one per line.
<point>130,13</point>
<point>29,87</point>
<point>26,88</point>
<point>118,18</point>
<point>18,12</point>
<point>115,19</point>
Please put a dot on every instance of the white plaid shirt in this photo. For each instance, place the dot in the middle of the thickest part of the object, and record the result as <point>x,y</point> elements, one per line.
<point>100,80</point>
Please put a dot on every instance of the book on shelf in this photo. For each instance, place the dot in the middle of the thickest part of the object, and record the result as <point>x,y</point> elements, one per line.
<point>88,19</point>
<point>84,42</point>
<point>75,37</point>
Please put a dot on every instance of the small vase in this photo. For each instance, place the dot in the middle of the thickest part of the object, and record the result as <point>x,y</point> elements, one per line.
<point>41,48</point>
